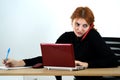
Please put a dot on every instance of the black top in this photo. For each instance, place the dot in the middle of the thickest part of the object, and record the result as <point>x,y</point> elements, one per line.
<point>92,50</point>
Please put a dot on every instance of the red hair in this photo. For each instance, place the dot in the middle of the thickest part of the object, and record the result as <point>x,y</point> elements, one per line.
<point>85,13</point>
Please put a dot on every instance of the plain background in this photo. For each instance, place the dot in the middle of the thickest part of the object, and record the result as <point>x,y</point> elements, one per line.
<point>24,24</point>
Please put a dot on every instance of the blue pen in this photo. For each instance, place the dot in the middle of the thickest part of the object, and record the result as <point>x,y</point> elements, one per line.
<point>8,51</point>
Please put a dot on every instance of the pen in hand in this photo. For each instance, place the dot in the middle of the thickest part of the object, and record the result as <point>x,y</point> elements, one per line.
<point>8,51</point>
<point>6,58</point>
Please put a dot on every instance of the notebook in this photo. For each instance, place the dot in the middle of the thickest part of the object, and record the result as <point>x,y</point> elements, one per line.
<point>58,56</point>
<point>12,68</point>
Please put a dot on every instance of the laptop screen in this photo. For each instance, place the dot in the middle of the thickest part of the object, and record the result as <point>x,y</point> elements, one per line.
<point>57,55</point>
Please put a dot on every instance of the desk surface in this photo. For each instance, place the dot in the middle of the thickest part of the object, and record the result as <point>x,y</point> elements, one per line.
<point>40,72</point>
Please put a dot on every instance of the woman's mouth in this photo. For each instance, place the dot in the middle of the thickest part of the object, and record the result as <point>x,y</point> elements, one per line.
<point>79,34</point>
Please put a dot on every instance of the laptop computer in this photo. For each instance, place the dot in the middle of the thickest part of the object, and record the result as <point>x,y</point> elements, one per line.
<point>58,56</point>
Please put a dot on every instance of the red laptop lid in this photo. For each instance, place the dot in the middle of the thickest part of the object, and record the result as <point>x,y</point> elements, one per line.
<point>57,55</point>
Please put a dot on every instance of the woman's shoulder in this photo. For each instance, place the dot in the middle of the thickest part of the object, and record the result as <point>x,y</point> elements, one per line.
<point>94,32</point>
<point>66,37</point>
<point>94,35</point>
<point>68,33</point>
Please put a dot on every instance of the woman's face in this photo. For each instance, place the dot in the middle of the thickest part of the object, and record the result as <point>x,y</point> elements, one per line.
<point>80,26</point>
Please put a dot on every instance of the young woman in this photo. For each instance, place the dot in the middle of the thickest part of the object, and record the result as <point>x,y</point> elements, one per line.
<point>90,49</point>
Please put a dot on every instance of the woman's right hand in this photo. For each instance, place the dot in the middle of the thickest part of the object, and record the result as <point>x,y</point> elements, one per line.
<point>13,63</point>
<point>80,63</point>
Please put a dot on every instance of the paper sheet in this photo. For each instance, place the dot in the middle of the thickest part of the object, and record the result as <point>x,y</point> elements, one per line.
<point>11,68</point>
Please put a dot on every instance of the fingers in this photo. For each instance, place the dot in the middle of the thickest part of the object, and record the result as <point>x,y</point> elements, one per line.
<point>13,63</point>
<point>79,63</point>
<point>8,63</point>
<point>3,61</point>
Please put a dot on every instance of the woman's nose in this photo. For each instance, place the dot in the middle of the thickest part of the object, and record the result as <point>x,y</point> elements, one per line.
<point>80,28</point>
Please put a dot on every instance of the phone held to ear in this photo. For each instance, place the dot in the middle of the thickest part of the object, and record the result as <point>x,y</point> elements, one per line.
<point>91,26</point>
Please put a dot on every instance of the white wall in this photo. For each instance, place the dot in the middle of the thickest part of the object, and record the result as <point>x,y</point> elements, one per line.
<point>26,23</point>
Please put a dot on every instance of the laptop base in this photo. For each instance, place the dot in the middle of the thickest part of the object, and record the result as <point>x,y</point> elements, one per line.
<point>65,68</point>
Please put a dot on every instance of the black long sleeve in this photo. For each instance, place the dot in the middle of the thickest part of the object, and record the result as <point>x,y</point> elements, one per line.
<point>33,61</point>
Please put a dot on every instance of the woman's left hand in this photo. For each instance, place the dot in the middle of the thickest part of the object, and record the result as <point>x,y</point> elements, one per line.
<point>80,63</point>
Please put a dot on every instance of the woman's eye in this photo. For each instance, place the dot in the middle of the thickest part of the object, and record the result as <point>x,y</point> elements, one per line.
<point>85,25</point>
<point>77,24</point>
